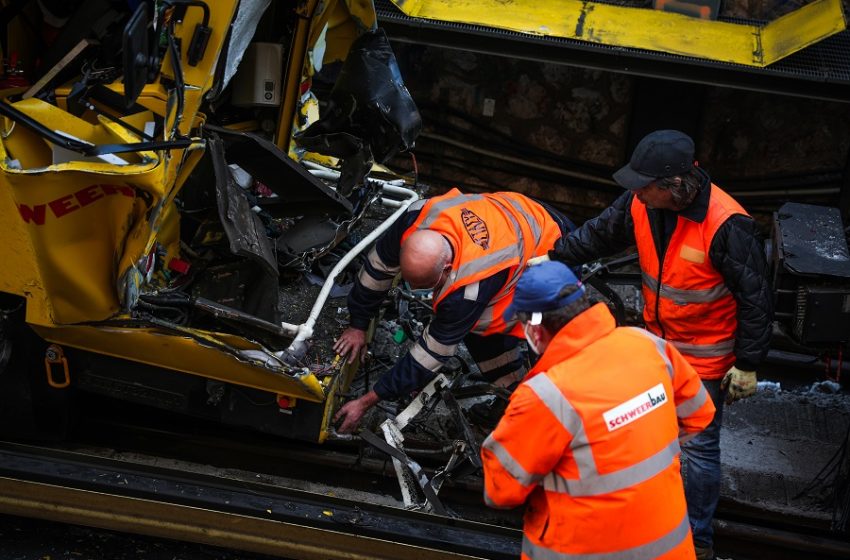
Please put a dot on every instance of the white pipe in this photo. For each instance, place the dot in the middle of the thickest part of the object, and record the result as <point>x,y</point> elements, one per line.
<point>328,174</point>
<point>290,328</point>
<point>305,330</point>
<point>332,175</point>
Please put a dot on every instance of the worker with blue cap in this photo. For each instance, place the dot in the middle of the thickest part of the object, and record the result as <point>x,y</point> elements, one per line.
<point>590,438</point>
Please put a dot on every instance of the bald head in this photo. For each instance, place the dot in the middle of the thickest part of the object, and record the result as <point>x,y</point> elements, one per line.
<point>424,256</point>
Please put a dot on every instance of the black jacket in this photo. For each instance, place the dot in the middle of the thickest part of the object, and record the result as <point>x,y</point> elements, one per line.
<point>736,252</point>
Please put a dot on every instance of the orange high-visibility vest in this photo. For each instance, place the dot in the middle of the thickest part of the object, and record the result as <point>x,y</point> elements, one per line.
<point>590,440</point>
<point>488,233</point>
<point>685,299</point>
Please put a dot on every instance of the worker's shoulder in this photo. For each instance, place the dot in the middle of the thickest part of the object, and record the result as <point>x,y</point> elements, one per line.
<point>633,343</point>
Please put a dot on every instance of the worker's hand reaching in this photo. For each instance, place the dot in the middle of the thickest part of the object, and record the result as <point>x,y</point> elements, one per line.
<point>352,411</point>
<point>742,384</point>
<point>351,345</point>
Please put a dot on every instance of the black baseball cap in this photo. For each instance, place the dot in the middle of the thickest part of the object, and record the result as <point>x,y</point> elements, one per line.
<point>659,154</point>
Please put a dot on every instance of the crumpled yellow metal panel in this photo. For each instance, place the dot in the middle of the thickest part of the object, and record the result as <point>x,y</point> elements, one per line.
<point>77,234</point>
<point>76,214</point>
<point>644,28</point>
<point>346,21</point>
<point>335,22</point>
<point>195,352</point>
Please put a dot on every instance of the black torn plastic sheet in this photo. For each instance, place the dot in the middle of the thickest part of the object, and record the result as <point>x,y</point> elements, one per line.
<point>371,115</point>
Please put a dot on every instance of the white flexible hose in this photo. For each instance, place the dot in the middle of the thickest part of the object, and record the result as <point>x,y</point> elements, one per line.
<point>304,331</point>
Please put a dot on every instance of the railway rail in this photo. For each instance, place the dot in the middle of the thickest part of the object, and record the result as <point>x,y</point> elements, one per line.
<point>75,484</point>
<point>111,494</point>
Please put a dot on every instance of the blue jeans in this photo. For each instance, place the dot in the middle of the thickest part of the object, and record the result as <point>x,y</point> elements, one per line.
<point>701,470</point>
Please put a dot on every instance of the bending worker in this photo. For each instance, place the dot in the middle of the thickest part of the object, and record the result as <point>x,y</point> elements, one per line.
<point>704,287</point>
<point>590,438</point>
<point>470,250</point>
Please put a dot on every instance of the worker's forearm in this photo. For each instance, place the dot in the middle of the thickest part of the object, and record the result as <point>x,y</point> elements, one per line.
<point>363,305</point>
<point>370,399</point>
<point>608,233</point>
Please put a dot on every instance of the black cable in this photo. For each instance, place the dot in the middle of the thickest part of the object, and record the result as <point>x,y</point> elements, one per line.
<point>88,105</point>
<point>179,85</point>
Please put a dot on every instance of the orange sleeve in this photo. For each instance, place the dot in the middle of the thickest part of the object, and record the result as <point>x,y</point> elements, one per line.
<point>694,408</point>
<point>525,446</point>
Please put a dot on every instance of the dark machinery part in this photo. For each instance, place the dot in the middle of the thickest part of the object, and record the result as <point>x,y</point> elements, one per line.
<point>811,274</point>
<point>603,275</point>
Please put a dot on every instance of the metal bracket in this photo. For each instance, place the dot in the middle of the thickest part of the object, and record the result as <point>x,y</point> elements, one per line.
<point>465,452</point>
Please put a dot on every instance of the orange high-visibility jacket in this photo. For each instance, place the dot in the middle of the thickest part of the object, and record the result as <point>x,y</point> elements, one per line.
<point>685,299</point>
<point>488,233</point>
<point>591,440</point>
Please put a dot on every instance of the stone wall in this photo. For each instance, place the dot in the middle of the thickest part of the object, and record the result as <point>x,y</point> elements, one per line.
<point>557,132</point>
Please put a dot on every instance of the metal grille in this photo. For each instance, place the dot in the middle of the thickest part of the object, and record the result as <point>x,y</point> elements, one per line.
<point>800,312</point>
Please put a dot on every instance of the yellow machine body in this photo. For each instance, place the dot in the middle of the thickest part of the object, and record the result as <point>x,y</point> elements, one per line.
<point>79,234</point>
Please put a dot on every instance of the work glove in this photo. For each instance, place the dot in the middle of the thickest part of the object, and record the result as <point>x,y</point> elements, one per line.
<point>537,260</point>
<point>742,384</point>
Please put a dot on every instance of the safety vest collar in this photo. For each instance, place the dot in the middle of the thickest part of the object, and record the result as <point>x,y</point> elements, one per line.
<point>585,329</point>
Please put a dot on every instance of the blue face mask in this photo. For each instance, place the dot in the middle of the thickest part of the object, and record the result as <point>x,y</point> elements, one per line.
<point>426,293</point>
<point>422,293</point>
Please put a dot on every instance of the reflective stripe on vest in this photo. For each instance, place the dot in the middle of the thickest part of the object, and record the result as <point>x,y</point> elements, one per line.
<point>535,231</point>
<point>438,207</point>
<point>470,268</point>
<point>422,351</point>
<point>683,297</point>
<point>509,463</point>
<point>688,407</point>
<point>596,484</point>
<point>686,298</point>
<point>654,549</point>
<point>521,250</point>
<point>590,481</point>
<point>721,348</point>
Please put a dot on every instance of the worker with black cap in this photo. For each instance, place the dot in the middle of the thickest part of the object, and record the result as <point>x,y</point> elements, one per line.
<point>590,439</point>
<point>705,287</point>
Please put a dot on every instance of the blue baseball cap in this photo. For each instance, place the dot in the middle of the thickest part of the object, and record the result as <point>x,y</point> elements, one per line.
<point>538,288</point>
<point>663,153</point>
